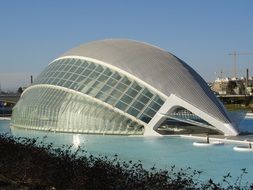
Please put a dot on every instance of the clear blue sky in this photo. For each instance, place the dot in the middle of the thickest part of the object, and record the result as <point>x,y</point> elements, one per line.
<point>202,33</point>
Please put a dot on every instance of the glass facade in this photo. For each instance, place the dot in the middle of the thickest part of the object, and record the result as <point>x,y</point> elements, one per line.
<point>182,121</point>
<point>104,84</point>
<point>57,109</point>
<point>53,109</point>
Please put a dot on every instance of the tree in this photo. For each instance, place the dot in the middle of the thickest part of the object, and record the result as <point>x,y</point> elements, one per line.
<point>20,90</point>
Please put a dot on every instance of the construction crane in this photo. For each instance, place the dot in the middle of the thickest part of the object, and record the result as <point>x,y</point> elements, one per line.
<point>235,54</point>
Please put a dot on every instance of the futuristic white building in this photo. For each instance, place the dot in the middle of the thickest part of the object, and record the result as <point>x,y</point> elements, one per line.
<point>118,87</point>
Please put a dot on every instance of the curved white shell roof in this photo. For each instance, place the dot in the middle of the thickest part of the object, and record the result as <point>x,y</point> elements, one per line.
<point>160,69</point>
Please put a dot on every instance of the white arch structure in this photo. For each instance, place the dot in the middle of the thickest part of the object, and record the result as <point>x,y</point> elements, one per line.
<point>173,102</point>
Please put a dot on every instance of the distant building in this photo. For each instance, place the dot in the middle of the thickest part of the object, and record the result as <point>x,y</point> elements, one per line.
<point>234,86</point>
<point>116,87</point>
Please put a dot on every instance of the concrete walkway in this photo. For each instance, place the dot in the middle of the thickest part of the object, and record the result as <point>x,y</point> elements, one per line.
<point>5,118</point>
<point>241,139</point>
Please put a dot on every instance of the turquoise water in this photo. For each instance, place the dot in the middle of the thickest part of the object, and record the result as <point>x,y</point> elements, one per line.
<point>4,126</point>
<point>162,152</point>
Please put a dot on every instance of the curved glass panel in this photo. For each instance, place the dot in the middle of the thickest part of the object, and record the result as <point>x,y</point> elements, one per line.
<point>105,84</point>
<point>53,109</point>
<point>182,121</point>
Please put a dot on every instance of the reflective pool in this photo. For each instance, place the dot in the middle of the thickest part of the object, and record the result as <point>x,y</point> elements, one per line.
<point>162,152</point>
